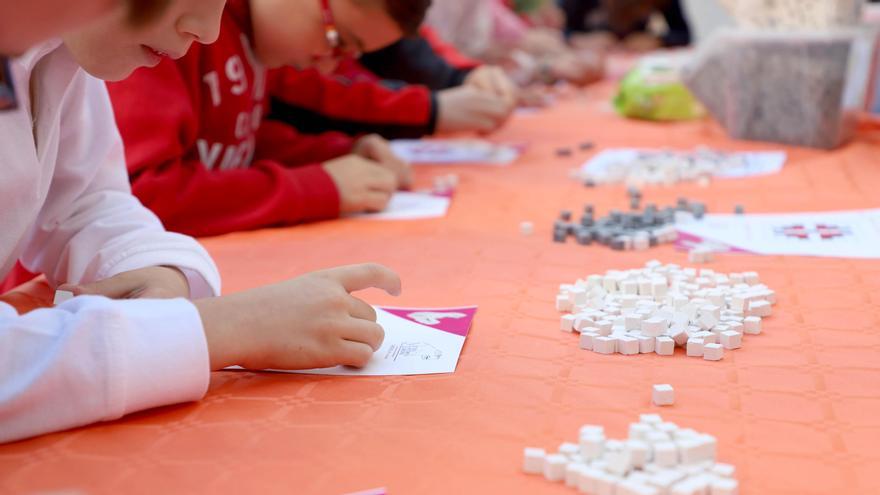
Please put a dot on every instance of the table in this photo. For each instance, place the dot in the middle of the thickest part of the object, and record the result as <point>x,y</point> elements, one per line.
<point>797,410</point>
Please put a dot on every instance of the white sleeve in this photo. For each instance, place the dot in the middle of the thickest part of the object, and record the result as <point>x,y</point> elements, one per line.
<point>92,227</point>
<point>466,24</point>
<point>93,359</point>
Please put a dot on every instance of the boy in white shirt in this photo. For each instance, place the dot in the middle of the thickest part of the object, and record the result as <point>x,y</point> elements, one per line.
<point>67,212</point>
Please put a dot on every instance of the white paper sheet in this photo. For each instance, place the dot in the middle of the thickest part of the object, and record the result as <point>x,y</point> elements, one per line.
<point>411,206</point>
<point>841,234</point>
<point>744,164</point>
<point>454,151</point>
<point>374,491</point>
<point>417,342</point>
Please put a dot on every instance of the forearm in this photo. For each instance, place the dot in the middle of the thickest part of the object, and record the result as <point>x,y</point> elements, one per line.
<point>388,127</point>
<point>414,60</point>
<point>220,323</point>
<point>219,202</point>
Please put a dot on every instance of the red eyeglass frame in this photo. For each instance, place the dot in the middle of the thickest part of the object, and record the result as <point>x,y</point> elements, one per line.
<point>331,33</point>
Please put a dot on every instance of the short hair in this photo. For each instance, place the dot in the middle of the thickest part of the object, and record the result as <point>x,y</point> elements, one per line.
<point>408,14</point>
<point>624,15</point>
<point>141,12</point>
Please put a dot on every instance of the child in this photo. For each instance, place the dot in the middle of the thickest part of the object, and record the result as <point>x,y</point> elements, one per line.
<point>628,21</point>
<point>440,99</point>
<point>205,160</point>
<point>427,59</point>
<point>491,31</point>
<point>68,213</point>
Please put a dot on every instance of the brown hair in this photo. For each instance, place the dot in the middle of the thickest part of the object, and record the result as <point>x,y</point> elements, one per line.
<point>624,15</point>
<point>408,14</point>
<point>141,12</point>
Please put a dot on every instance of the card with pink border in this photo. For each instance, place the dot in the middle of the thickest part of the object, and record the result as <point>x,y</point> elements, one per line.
<point>418,341</point>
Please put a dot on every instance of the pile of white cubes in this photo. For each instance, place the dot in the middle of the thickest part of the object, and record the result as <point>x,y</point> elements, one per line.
<point>660,307</point>
<point>664,167</point>
<point>658,458</point>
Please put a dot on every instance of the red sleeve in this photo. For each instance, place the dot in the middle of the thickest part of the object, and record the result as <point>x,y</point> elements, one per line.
<point>281,142</point>
<point>362,101</point>
<point>446,50</point>
<point>159,125</point>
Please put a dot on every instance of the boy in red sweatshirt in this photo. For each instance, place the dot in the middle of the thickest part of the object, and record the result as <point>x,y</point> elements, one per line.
<point>199,150</point>
<point>414,87</point>
<point>314,102</point>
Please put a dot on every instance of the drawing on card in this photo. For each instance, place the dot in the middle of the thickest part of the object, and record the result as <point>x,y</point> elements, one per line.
<point>433,318</point>
<point>414,350</point>
<point>820,232</point>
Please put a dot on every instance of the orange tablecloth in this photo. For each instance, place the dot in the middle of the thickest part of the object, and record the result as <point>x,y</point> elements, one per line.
<point>797,410</point>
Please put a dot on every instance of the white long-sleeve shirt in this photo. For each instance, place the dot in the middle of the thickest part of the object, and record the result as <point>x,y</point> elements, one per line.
<point>66,210</point>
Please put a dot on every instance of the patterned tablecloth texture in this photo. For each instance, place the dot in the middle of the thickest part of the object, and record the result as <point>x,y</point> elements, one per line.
<point>797,410</point>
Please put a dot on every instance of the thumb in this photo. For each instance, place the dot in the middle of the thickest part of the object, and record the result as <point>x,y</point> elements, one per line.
<point>383,153</point>
<point>358,277</point>
<point>367,146</point>
<point>406,178</point>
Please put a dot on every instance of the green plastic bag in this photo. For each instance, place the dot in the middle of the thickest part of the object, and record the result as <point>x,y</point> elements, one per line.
<point>655,92</point>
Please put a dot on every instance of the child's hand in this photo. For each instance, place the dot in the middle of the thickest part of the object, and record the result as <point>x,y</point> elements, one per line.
<point>549,15</point>
<point>579,69</point>
<point>494,80</point>
<point>642,42</point>
<point>363,185</point>
<point>309,322</point>
<point>467,108</point>
<point>158,282</point>
<point>543,41</point>
<point>534,97</point>
<point>375,147</point>
<point>599,40</point>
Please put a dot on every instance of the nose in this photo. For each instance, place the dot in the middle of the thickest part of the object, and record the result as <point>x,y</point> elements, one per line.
<point>202,25</point>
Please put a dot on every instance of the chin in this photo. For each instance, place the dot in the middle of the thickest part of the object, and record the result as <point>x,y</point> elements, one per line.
<point>110,73</point>
<point>8,48</point>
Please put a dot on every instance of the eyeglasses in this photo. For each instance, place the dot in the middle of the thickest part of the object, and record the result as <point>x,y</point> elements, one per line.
<point>331,33</point>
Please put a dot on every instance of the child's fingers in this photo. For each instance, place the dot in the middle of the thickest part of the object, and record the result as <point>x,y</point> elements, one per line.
<point>488,126</point>
<point>402,168</point>
<point>405,177</point>
<point>503,86</point>
<point>72,288</point>
<point>358,277</point>
<point>495,121</point>
<point>354,354</point>
<point>387,158</point>
<point>361,310</point>
<point>364,332</point>
<point>484,123</point>
<point>384,153</point>
<point>495,107</point>
<point>376,200</point>
<point>377,148</point>
<point>484,83</point>
<point>383,180</point>
<point>494,84</point>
